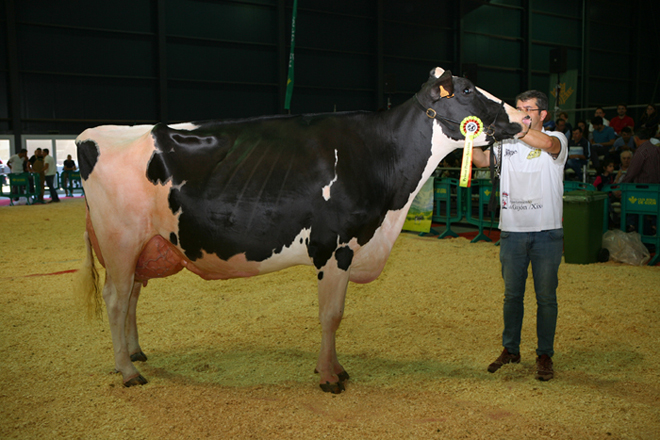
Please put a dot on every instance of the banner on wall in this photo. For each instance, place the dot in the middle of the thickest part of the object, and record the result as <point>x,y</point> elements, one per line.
<point>420,214</point>
<point>568,84</point>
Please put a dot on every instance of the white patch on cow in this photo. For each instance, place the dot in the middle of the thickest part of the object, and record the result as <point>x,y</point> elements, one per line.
<point>438,72</point>
<point>514,114</point>
<point>326,189</point>
<point>291,255</point>
<point>184,126</point>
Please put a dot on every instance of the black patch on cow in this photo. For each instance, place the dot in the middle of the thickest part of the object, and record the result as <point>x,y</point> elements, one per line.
<point>320,276</point>
<point>251,186</point>
<point>344,256</point>
<point>173,239</point>
<point>88,155</point>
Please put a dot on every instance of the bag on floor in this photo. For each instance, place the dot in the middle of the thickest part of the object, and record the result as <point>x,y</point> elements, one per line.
<point>626,247</point>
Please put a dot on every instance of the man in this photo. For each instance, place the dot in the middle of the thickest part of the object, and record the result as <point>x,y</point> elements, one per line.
<point>621,120</point>
<point>560,126</point>
<point>626,157</point>
<point>531,191</point>
<point>50,169</point>
<point>67,167</point>
<point>579,151</point>
<point>17,165</point>
<point>36,165</point>
<point>602,138</point>
<point>17,161</point>
<point>645,165</point>
<point>599,112</point>
<point>625,142</point>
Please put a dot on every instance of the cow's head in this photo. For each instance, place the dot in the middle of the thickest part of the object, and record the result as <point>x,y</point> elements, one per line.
<point>450,99</point>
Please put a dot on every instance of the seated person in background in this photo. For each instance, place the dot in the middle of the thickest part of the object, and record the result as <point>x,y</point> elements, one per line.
<point>650,119</point>
<point>569,127</point>
<point>605,175</point>
<point>626,158</point>
<point>599,112</point>
<point>583,126</point>
<point>578,153</point>
<point>625,142</point>
<point>622,119</point>
<point>560,126</point>
<point>602,138</point>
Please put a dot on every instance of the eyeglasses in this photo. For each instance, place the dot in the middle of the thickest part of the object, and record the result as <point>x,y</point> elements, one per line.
<point>528,109</point>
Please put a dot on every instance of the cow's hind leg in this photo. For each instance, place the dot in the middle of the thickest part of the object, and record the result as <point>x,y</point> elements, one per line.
<point>136,353</point>
<point>117,301</point>
<point>332,285</point>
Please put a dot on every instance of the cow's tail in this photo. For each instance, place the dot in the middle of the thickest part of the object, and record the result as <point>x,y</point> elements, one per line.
<point>88,290</point>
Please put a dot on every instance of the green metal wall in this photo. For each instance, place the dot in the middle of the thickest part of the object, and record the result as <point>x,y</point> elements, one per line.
<point>67,65</point>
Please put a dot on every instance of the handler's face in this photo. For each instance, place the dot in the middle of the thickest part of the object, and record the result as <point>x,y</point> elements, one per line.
<point>533,111</point>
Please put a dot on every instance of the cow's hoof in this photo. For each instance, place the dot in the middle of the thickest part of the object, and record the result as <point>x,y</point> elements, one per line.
<point>139,357</point>
<point>343,376</point>
<point>137,380</point>
<point>334,388</point>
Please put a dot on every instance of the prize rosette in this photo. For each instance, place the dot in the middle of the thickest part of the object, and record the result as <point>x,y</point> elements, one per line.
<point>471,127</point>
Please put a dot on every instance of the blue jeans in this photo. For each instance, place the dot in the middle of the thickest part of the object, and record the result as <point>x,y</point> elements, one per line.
<point>543,249</point>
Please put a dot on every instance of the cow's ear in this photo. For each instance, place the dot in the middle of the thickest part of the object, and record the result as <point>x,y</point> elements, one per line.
<point>443,86</point>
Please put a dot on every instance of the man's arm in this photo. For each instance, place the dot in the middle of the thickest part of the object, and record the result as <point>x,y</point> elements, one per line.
<point>480,158</point>
<point>538,139</point>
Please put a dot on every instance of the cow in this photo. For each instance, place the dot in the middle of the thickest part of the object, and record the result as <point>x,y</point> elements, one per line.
<point>238,198</point>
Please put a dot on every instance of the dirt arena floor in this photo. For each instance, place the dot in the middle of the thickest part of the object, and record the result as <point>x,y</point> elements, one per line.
<point>235,359</point>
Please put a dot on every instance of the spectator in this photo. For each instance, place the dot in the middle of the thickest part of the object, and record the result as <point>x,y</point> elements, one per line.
<point>68,166</point>
<point>583,126</point>
<point>36,165</point>
<point>626,158</point>
<point>650,119</point>
<point>50,169</point>
<point>625,142</point>
<point>578,153</point>
<point>569,127</point>
<point>622,119</point>
<point>605,175</point>
<point>560,126</point>
<point>603,137</point>
<point>16,163</point>
<point>598,113</point>
<point>645,165</point>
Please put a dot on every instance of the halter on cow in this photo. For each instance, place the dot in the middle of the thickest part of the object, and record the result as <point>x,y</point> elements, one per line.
<point>238,198</point>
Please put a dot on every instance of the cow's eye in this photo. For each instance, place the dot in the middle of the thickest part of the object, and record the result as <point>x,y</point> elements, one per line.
<point>467,91</point>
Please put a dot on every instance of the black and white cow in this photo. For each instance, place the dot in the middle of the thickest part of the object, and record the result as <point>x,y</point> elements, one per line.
<point>239,198</point>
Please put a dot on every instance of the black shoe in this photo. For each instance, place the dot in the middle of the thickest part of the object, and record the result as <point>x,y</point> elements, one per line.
<point>544,369</point>
<point>504,358</point>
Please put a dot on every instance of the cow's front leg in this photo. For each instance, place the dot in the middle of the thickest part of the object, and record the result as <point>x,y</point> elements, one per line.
<point>332,285</point>
<point>117,297</point>
<point>131,326</point>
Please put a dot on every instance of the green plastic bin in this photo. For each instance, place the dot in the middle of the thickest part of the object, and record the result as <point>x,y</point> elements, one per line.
<point>583,226</point>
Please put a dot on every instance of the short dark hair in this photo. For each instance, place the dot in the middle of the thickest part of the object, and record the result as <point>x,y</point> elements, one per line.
<point>23,150</point>
<point>597,120</point>
<point>578,128</point>
<point>46,150</point>
<point>622,104</point>
<point>626,129</point>
<point>644,133</point>
<point>560,120</point>
<point>541,98</point>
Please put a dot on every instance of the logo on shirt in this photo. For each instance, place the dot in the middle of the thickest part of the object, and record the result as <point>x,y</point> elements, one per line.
<point>534,154</point>
<point>508,153</point>
<point>505,200</point>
